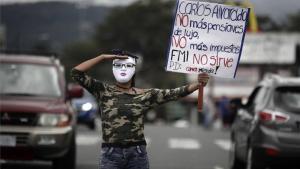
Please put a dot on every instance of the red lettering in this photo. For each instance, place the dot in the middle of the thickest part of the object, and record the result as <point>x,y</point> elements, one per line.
<point>200,59</point>
<point>229,62</point>
<point>214,61</point>
<point>219,61</point>
<point>196,59</point>
<point>179,41</point>
<point>191,69</point>
<point>204,59</point>
<point>183,20</point>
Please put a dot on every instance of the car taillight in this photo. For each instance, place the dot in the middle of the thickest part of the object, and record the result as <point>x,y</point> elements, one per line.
<point>281,118</point>
<point>272,152</point>
<point>265,116</point>
<point>272,116</point>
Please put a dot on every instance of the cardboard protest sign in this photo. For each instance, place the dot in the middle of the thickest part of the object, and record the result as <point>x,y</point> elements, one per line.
<point>207,37</point>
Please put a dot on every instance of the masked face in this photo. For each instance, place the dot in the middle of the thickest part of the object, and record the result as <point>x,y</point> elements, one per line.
<point>124,69</point>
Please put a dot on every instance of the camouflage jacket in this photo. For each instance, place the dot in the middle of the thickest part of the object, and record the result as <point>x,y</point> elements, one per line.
<point>122,113</point>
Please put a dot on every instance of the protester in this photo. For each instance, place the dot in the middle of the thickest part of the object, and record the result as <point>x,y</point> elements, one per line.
<point>224,110</point>
<point>123,108</point>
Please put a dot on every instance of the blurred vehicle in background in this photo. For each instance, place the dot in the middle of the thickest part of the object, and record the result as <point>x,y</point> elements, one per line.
<point>266,130</point>
<point>87,109</point>
<point>37,119</point>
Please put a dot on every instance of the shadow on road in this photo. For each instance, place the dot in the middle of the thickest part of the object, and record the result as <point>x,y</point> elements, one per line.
<point>14,165</point>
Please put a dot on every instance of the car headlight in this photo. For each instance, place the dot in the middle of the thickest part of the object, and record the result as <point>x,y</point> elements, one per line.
<point>87,106</point>
<point>58,120</point>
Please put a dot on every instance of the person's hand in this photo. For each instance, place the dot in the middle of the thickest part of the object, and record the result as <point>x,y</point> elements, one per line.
<point>203,79</point>
<point>112,57</point>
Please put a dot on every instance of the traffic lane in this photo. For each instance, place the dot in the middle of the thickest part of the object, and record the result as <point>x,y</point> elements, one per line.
<point>192,148</point>
<point>168,147</point>
<point>88,148</point>
<point>26,165</point>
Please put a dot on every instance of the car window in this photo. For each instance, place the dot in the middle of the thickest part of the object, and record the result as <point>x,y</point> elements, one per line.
<point>287,97</point>
<point>261,95</point>
<point>261,98</point>
<point>252,97</point>
<point>29,79</point>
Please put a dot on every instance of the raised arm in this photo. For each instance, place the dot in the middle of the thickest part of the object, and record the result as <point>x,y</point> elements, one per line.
<point>202,80</point>
<point>159,96</point>
<point>94,86</point>
<point>86,65</point>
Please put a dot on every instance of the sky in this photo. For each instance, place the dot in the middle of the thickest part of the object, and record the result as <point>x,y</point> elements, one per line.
<point>277,9</point>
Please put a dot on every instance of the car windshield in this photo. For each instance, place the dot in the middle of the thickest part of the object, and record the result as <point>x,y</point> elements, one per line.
<point>28,80</point>
<point>288,97</point>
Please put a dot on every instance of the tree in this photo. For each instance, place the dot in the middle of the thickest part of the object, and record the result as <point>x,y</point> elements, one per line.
<point>294,22</point>
<point>143,28</point>
<point>266,24</point>
<point>78,52</point>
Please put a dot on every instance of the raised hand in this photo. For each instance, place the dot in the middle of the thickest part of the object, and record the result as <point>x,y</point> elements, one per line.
<point>203,79</point>
<point>112,56</point>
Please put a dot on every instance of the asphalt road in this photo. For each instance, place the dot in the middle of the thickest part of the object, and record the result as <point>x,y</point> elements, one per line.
<point>169,147</point>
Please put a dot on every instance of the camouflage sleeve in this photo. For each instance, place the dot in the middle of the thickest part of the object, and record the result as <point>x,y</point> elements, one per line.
<point>160,96</point>
<point>94,86</point>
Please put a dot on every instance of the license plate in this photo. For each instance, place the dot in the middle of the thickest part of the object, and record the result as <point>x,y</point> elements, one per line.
<point>6,140</point>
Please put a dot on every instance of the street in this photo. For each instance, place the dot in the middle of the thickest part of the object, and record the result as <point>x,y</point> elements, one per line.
<point>169,147</point>
<point>209,84</point>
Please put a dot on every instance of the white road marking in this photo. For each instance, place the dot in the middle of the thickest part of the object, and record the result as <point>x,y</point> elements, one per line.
<point>183,143</point>
<point>148,141</point>
<point>87,139</point>
<point>224,144</point>
<point>218,167</point>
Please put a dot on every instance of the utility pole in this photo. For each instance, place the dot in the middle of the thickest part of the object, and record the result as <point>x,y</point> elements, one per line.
<point>298,59</point>
<point>3,37</point>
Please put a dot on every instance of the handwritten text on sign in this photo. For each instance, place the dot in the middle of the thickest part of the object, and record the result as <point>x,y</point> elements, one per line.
<point>207,37</point>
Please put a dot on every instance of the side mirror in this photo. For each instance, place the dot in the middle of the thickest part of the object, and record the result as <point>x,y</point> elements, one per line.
<point>74,91</point>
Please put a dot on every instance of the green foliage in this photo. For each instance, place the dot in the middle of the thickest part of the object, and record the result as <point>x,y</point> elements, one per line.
<point>266,24</point>
<point>143,28</point>
<point>31,26</point>
<point>294,22</point>
<point>81,51</point>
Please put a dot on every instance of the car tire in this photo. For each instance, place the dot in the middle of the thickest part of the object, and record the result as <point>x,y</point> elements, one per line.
<point>251,162</point>
<point>234,162</point>
<point>68,161</point>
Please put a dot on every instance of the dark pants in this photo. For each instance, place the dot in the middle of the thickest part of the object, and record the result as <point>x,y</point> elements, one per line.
<point>134,157</point>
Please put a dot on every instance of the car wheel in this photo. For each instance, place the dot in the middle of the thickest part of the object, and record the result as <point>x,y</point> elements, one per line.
<point>68,161</point>
<point>251,163</point>
<point>234,162</point>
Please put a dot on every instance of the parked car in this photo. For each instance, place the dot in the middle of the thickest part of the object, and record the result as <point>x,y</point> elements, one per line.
<point>266,130</point>
<point>87,109</point>
<point>37,119</point>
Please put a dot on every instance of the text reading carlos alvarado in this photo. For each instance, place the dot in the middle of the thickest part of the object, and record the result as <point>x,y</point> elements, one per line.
<point>218,11</point>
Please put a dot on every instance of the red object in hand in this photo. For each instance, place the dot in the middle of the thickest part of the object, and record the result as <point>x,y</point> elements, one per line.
<point>202,79</point>
<point>200,98</point>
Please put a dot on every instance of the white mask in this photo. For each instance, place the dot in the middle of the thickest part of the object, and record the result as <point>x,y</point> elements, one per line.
<point>123,69</point>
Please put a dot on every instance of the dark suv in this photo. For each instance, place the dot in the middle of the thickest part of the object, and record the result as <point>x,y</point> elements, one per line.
<point>266,130</point>
<point>37,119</point>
